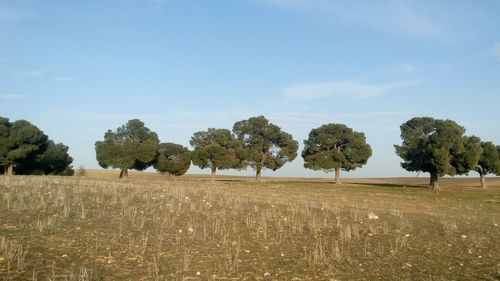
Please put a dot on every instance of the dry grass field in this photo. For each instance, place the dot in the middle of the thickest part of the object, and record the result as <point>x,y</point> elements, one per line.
<point>150,227</point>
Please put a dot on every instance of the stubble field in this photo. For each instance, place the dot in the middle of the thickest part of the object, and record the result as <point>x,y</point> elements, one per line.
<point>154,228</point>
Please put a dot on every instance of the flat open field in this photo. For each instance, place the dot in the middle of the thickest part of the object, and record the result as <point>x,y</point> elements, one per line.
<point>150,227</point>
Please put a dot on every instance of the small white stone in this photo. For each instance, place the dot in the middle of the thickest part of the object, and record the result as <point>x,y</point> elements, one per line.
<point>267,274</point>
<point>407,235</point>
<point>372,216</point>
<point>463,236</point>
<point>198,273</point>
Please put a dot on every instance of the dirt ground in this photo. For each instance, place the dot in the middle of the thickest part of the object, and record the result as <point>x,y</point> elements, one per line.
<point>151,227</point>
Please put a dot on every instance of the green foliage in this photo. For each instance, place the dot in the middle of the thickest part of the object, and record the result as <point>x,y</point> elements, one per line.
<point>24,141</point>
<point>266,145</point>
<point>132,146</point>
<point>55,160</point>
<point>25,149</point>
<point>173,159</point>
<point>490,159</point>
<point>335,146</point>
<point>4,139</point>
<point>438,147</point>
<point>466,157</point>
<point>216,149</point>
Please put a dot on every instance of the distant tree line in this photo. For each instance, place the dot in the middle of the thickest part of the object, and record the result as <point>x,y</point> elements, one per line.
<point>254,143</point>
<point>25,149</point>
<point>434,146</point>
<point>437,147</point>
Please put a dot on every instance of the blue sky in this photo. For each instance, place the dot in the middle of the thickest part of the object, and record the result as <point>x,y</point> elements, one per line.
<point>78,68</point>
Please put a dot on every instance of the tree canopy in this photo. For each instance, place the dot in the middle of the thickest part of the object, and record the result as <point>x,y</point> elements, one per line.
<point>438,147</point>
<point>25,149</point>
<point>131,146</point>
<point>173,159</point>
<point>4,140</point>
<point>335,147</point>
<point>266,145</point>
<point>24,140</point>
<point>55,160</point>
<point>216,149</point>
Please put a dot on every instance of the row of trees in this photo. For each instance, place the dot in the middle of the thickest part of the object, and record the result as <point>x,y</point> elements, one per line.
<point>25,149</point>
<point>438,147</point>
<point>254,142</point>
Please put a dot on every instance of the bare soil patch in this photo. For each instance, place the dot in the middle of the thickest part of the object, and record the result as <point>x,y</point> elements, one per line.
<point>153,228</point>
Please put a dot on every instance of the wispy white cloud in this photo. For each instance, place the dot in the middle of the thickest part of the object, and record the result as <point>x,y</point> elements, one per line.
<point>392,16</point>
<point>404,67</point>
<point>495,51</point>
<point>31,73</point>
<point>112,117</point>
<point>341,89</point>
<point>13,96</point>
<point>63,78</point>
<point>8,13</point>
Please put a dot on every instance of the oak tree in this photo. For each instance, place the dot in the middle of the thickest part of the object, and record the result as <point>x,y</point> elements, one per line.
<point>489,162</point>
<point>131,146</point>
<point>19,140</point>
<point>173,159</point>
<point>335,147</point>
<point>433,146</point>
<point>55,160</point>
<point>266,145</point>
<point>216,149</point>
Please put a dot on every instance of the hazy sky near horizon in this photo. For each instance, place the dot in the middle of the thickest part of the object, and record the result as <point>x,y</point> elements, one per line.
<point>78,68</point>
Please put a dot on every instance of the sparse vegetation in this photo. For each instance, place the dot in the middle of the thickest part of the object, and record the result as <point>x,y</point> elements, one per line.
<point>59,228</point>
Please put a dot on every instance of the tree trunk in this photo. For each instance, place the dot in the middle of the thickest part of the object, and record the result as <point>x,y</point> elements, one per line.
<point>10,169</point>
<point>124,173</point>
<point>434,183</point>
<point>259,166</point>
<point>212,174</point>
<point>337,176</point>
<point>483,181</point>
<point>258,172</point>
<point>4,170</point>
<point>480,170</point>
